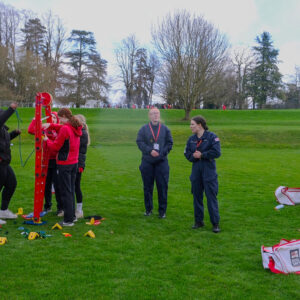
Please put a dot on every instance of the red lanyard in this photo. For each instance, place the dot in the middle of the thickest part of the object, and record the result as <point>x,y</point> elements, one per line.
<point>199,143</point>
<point>155,137</point>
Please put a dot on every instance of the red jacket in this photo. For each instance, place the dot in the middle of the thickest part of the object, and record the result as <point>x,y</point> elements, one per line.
<point>66,144</point>
<point>51,134</point>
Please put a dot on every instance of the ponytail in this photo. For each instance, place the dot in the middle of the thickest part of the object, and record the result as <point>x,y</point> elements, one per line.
<point>200,120</point>
<point>66,113</point>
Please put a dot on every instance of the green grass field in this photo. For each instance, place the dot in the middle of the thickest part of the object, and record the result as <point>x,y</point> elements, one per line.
<point>134,257</point>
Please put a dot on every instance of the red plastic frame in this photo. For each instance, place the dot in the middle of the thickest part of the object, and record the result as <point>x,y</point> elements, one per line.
<point>41,153</point>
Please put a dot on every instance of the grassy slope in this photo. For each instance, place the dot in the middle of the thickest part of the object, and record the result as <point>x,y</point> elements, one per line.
<point>134,257</point>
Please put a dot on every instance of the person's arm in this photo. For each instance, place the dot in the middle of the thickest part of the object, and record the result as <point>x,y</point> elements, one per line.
<point>4,115</point>
<point>215,149</point>
<point>31,127</point>
<point>14,134</point>
<point>55,127</point>
<point>140,140</point>
<point>59,141</point>
<point>169,143</point>
<point>188,152</point>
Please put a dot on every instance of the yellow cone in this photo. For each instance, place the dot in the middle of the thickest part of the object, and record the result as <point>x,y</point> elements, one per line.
<point>90,233</point>
<point>20,211</point>
<point>33,235</point>
<point>56,226</point>
<point>3,240</point>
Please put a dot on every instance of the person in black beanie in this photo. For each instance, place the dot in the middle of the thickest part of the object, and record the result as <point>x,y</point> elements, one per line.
<point>8,181</point>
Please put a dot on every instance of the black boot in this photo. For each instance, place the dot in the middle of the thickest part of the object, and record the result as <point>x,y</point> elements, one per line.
<point>198,225</point>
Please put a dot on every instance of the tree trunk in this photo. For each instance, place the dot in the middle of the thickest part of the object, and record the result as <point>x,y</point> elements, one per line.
<point>187,114</point>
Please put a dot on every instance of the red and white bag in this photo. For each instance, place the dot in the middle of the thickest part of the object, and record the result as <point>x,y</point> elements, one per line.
<point>282,258</point>
<point>287,196</point>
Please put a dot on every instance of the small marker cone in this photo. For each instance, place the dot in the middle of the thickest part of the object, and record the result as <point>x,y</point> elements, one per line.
<point>3,240</point>
<point>66,234</point>
<point>90,233</point>
<point>20,211</point>
<point>57,226</point>
<point>33,235</point>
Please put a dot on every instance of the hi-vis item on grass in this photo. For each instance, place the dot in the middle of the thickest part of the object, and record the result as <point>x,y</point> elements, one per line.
<point>3,240</point>
<point>287,195</point>
<point>282,258</point>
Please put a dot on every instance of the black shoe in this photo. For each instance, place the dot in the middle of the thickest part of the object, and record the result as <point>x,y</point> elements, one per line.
<point>162,216</point>
<point>216,228</point>
<point>148,213</point>
<point>198,225</point>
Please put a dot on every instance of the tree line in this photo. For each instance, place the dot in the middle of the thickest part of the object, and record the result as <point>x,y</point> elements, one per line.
<point>38,55</point>
<point>190,65</point>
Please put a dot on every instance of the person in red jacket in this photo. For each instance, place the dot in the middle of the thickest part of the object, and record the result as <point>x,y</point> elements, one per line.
<point>52,177</point>
<point>67,145</point>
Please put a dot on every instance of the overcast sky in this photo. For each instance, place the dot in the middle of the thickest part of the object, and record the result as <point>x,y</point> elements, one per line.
<point>241,20</point>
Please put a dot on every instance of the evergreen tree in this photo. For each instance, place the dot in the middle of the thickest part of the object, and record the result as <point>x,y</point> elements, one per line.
<point>89,69</point>
<point>265,80</point>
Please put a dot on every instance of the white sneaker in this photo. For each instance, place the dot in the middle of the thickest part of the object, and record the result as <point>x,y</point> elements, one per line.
<point>60,213</point>
<point>7,214</point>
<point>79,214</point>
<point>2,222</point>
<point>68,224</point>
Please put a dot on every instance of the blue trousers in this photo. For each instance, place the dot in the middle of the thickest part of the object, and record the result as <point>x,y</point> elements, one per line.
<point>199,185</point>
<point>158,172</point>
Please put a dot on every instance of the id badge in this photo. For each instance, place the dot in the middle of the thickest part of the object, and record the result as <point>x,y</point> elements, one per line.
<point>156,146</point>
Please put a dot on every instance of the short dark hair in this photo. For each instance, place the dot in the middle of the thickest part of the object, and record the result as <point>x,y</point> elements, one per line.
<point>200,120</point>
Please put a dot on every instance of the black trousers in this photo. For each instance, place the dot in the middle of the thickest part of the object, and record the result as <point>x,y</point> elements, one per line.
<point>52,177</point>
<point>67,176</point>
<point>8,183</point>
<point>158,172</point>
<point>78,192</point>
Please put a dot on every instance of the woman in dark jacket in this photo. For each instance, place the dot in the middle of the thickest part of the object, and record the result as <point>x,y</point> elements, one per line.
<point>7,176</point>
<point>84,142</point>
<point>202,149</point>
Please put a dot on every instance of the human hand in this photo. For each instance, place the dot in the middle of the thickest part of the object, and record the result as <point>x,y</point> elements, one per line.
<point>197,154</point>
<point>45,125</point>
<point>14,105</point>
<point>80,170</point>
<point>45,138</point>
<point>154,153</point>
<point>18,131</point>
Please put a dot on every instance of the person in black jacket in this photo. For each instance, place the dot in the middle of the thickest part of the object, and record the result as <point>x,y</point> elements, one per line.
<point>84,142</point>
<point>8,181</point>
<point>155,142</point>
<point>202,149</point>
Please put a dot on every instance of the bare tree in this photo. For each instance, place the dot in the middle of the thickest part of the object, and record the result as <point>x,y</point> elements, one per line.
<point>243,62</point>
<point>193,53</point>
<point>125,56</point>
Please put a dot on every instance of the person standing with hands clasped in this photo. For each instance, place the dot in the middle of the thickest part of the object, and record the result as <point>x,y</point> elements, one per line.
<point>155,142</point>
<point>202,149</point>
<point>8,181</point>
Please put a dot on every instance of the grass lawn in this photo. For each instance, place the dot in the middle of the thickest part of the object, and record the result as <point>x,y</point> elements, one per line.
<point>137,257</point>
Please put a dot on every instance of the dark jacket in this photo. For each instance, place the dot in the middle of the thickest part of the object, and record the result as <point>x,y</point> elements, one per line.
<point>5,136</point>
<point>145,142</point>
<point>209,146</point>
<point>83,149</point>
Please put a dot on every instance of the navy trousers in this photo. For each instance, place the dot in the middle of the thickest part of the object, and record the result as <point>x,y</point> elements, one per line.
<point>158,172</point>
<point>67,176</point>
<point>199,185</point>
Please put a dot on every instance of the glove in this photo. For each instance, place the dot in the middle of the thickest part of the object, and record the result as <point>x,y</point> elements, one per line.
<point>80,170</point>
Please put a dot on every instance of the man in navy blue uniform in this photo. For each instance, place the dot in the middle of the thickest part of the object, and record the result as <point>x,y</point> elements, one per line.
<point>202,149</point>
<point>155,141</point>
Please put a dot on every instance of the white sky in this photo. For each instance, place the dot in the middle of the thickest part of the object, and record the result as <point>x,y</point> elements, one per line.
<point>241,20</point>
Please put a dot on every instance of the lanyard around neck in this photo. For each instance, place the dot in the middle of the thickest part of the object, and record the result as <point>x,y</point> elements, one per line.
<point>155,137</point>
